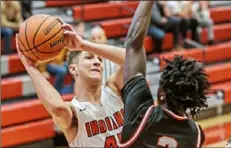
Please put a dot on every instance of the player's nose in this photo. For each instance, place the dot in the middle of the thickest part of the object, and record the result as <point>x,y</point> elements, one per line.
<point>97,62</point>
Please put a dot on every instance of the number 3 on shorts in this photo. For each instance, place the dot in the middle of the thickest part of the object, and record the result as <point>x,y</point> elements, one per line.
<point>166,142</point>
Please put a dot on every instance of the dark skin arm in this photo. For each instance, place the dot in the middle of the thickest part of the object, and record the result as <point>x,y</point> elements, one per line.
<point>135,63</point>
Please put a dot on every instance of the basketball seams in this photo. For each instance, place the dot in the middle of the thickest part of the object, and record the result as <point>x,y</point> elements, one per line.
<point>37,33</point>
<point>28,42</point>
<point>30,34</point>
<point>39,29</point>
<point>26,37</point>
<point>45,42</point>
<point>51,51</point>
<point>23,51</point>
<point>47,39</point>
<point>33,41</point>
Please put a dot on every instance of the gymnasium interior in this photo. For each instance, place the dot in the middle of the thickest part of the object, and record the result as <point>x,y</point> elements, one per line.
<point>26,123</point>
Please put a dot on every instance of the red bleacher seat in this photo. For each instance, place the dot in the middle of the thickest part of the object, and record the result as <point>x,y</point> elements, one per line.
<point>25,111</point>
<point>193,53</point>
<point>219,72</point>
<point>221,14</point>
<point>221,32</point>
<point>22,86</point>
<point>32,117</point>
<point>218,52</point>
<point>27,133</point>
<point>210,55</point>
<point>11,64</point>
<point>113,10</point>
<point>118,27</point>
<point>51,3</point>
<point>104,10</point>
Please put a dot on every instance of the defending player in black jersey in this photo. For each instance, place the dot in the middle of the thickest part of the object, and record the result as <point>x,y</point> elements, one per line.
<point>183,86</point>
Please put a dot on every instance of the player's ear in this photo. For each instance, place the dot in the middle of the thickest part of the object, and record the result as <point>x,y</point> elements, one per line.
<point>162,96</point>
<point>73,69</point>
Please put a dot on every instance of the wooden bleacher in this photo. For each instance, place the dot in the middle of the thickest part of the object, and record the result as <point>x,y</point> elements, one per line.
<point>27,121</point>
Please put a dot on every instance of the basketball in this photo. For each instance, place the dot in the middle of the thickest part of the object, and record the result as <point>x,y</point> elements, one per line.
<point>41,37</point>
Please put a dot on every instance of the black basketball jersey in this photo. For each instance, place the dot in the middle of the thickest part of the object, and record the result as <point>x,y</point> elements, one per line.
<point>161,128</point>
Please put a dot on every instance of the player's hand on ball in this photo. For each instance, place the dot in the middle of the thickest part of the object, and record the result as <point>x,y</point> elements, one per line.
<point>26,62</point>
<point>72,39</point>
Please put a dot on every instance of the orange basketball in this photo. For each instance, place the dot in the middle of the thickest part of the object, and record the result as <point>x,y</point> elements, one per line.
<point>41,37</point>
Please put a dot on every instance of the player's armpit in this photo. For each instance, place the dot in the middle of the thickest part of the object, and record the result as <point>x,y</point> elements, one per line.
<point>68,125</point>
<point>137,98</point>
<point>115,82</point>
<point>63,116</point>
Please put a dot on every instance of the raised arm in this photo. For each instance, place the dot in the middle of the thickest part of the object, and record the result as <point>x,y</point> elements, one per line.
<point>112,53</point>
<point>135,63</point>
<point>75,42</point>
<point>52,101</point>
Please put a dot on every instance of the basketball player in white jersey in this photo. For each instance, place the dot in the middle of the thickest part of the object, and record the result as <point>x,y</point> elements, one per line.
<point>95,117</point>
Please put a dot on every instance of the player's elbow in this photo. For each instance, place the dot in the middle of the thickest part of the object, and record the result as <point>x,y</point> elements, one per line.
<point>133,43</point>
<point>136,37</point>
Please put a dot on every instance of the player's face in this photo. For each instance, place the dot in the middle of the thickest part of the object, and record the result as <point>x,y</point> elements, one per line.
<point>90,66</point>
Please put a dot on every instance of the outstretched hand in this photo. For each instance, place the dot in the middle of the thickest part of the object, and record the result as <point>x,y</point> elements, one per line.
<point>72,39</point>
<point>25,61</point>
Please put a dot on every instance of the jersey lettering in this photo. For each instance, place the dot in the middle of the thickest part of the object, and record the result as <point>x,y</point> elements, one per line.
<point>167,142</point>
<point>88,129</point>
<point>109,123</point>
<point>102,126</point>
<point>119,119</point>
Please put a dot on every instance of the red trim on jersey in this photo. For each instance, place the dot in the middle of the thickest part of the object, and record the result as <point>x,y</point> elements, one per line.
<point>138,130</point>
<point>198,136</point>
<point>174,115</point>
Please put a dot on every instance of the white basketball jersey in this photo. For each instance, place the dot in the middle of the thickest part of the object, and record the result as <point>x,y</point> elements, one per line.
<point>99,125</point>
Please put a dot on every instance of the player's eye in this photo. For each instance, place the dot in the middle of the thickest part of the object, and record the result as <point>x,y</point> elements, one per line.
<point>87,57</point>
<point>100,59</point>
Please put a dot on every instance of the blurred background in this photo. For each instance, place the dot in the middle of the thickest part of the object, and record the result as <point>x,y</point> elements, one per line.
<point>195,29</point>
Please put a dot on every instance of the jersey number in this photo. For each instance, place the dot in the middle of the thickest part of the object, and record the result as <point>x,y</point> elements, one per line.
<point>167,142</point>
<point>110,141</point>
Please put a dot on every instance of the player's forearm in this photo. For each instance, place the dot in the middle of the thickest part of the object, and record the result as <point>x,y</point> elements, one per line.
<point>113,53</point>
<point>49,97</point>
<point>139,25</point>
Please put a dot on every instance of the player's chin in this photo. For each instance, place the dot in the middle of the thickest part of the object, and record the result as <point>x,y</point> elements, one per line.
<point>96,77</point>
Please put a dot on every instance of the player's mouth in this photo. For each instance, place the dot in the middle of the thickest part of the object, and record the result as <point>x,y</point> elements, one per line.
<point>96,70</point>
